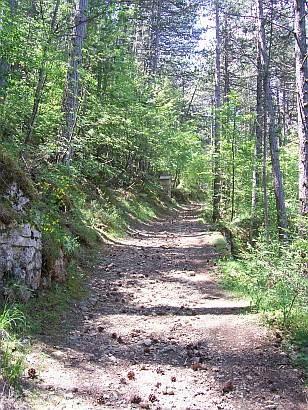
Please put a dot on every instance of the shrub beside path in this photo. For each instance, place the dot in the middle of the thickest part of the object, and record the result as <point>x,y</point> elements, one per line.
<point>157,332</point>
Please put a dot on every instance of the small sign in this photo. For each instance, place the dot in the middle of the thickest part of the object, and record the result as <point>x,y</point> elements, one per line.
<point>165,181</point>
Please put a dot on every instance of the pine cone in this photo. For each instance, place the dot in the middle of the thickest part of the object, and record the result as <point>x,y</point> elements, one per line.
<point>101,400</point>
<point>32,373</point>
<point>131,375</point>
<point>173,378</point>
<point>228,387</point>
<point>152,398</point>
<point>135,399</point>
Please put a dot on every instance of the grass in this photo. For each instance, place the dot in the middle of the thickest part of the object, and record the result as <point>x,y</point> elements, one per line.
<point>276,292</point>
<point>48,312</point>
<point>220,243</point>
<point>273,278</point>
<point>12,326</point>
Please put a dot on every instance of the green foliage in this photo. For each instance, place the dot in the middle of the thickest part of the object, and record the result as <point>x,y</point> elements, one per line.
<point>12,366</point>
<point>11,319</point>
<point>11,172</point>
<point>48,312</point>
<point>130,128</point>
<point>144,109</point>
<point>276,280</point>
<point>12,323</point>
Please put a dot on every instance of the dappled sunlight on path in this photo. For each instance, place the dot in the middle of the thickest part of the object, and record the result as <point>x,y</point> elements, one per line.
<point>157,311</point>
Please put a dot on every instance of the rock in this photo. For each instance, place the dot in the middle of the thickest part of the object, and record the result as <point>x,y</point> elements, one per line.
<point>83,307</point>
<point>191,273</point>
<point>168,349</point>
<point>89,356</point>
<point>58,353</point>
<point>112,359</point>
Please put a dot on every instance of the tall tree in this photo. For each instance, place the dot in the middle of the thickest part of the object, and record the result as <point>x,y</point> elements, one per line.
<point>72,84</point>
<point>4,64</point>
<point>258,150</point>
<point>278,187</point>
<point>216,182</point>
<point>302,102</point>
<point>40,83</point>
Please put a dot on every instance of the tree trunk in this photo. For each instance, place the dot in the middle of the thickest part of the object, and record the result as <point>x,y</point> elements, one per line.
<point>226,36</point>
<point>41,81</point>
<point>279,195</point>
<point>72,85</point>
<point>258,148</point>
<point>233,167</point>
<point>302,103</point>
<point>216,184</point>
<point>264,176</point>
<point>4,65</point>
<point>156,42</point>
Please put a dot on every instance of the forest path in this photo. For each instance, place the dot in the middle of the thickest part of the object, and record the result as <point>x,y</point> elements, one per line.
<point>155,308</point>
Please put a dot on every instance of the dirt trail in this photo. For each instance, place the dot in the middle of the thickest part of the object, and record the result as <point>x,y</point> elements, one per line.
<point>154,309</point>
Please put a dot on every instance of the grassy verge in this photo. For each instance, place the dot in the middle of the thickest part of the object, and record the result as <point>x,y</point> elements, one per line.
<point>12,352</point>
<point>277,288</point>
<point>275,280</point>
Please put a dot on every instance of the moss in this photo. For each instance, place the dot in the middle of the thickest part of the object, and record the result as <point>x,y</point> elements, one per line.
<point>10,172</point>
<point>7,213</point>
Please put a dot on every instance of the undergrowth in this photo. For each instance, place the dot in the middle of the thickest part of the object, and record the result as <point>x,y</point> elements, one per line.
<point>12,354</point>
<point>275,278</point>
<point>46,313</point>
<point>49,311</point>
<point>74,215</point>
<point>272,276</point>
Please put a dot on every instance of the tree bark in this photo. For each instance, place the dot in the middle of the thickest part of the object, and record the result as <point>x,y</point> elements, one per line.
<point>72,85</point>
<point>264,177</point>
<point>156,41</point>
<point>216,182</point>
<point>278,187</point>
<point>302,104</point>
<point>4,65</point>
<point>258,148</point>
<point>233,168</point>
<point>39,87</point>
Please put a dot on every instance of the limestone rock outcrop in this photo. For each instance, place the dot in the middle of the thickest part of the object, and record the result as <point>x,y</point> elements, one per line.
<point>20,240</point>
